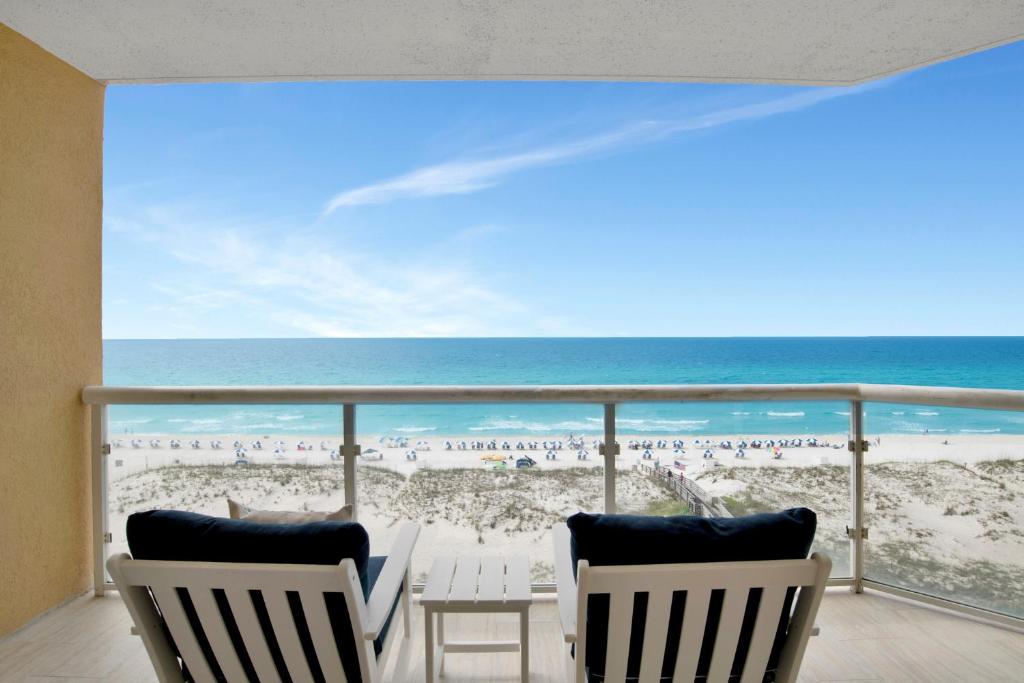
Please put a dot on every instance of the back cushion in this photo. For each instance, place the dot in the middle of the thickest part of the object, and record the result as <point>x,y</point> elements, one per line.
<point>190,537</point>
<point>238,511</point>
<point>637,540</point>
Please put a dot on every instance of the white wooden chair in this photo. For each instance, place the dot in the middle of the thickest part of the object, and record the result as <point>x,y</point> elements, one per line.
<point>150,590</point>
<point>698,580</point>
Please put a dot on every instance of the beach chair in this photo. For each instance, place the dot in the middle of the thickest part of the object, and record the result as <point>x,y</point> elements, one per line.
<point>640,619</point>
<point>325,615</point>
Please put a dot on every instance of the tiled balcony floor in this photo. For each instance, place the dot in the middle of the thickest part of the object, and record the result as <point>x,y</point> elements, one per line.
<point>867,637</point>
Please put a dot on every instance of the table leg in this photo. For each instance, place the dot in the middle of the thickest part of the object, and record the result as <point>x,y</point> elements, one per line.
<point>428,638</point>
<point>440,643</point>
<point>524,643</point>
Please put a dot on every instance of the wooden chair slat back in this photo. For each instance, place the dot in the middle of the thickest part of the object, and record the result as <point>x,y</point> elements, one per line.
<point>699,581</point>
<point>166,582</point>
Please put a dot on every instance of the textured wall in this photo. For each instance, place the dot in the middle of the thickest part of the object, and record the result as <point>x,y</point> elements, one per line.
<point>51,157</point>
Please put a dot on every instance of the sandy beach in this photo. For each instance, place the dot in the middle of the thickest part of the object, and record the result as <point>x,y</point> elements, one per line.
<point>940,507</point>
<point>965,449</point>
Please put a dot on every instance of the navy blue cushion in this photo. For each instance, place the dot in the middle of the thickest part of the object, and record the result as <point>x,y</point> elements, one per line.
<point>633,540</point>
<point>186,536</point>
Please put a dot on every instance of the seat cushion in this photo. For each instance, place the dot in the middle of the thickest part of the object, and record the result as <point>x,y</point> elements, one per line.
<point>190,537</point>
<point>605,540</point>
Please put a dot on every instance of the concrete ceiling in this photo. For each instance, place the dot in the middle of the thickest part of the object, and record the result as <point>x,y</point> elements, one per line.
<point>783,41</point>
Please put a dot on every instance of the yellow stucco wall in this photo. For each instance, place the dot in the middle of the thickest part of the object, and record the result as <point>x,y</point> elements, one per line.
<point>51,157</point>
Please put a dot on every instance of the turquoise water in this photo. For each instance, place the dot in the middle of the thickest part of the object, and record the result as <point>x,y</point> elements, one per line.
<point>994,362</point>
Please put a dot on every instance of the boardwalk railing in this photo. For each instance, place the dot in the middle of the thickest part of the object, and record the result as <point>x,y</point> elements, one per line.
<point>688,491</point>
<point>349,397</point>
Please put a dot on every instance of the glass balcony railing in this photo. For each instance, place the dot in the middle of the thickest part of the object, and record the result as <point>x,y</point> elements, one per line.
<point>902,505</point>
<point>944,502</point>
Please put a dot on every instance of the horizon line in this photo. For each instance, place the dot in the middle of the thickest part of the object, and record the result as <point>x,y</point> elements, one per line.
<point>594,337</point>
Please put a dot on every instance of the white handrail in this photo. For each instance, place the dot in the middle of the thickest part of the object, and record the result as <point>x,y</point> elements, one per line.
<point>950,397</point>
<point>992,399</point>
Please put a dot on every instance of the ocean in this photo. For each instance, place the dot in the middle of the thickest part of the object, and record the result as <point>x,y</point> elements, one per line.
<point>991,362</point>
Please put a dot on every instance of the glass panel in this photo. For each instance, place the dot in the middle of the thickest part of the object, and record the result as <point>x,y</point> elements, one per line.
<point>195,457</point>
<point>737,459</point>
<point>943,502</point>
<point>479,479</point>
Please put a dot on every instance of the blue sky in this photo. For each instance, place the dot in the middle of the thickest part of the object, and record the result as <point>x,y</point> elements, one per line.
<point>569,209</point>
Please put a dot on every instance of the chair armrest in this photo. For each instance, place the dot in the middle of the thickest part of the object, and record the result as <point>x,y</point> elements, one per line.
<point>565,582</point>
<point>389,583</point>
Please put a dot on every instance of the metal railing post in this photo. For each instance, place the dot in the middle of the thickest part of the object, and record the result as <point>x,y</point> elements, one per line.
<point>609,450</point>
<point>856,531</point>
<point>349,451</point>
<point>99,450</point>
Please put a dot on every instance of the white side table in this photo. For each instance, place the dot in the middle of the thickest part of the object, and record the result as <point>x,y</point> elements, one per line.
<point>476,585</point>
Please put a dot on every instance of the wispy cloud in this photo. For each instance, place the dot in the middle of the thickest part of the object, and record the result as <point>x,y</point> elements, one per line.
<point>193,298</point>
<point>325,291</point>
<point>472,175</point>
<point>316,287</point>
<point>461,177</point>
